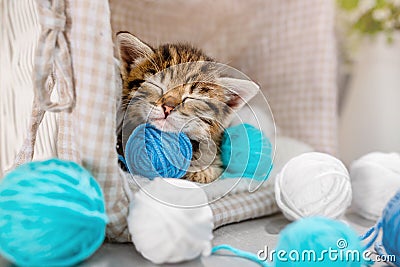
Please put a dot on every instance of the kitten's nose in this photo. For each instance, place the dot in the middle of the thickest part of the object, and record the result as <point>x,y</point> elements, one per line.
<point>167,110</point>
<point>169,103</point>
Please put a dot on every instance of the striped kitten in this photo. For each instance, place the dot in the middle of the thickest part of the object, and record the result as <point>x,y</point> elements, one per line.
<point>176,87</point>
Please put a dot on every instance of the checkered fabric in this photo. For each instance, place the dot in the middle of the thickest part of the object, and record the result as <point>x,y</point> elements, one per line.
<point>244,205</point>
<point>86,134</point>
<point>90,128</point>
<point>285,46</point>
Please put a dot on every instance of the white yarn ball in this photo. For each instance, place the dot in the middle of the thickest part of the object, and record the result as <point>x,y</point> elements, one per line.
<point>170,221</point>
<point>313,184</point>
<point>375,178</point>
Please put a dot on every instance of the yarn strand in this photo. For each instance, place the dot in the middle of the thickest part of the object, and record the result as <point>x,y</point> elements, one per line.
<point>240,253</point>
<point>373,230</point>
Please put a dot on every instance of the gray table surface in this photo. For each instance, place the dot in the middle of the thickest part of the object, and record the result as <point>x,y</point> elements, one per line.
<point>251,236</point>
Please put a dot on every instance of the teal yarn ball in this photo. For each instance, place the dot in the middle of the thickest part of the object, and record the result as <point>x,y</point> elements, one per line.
<point>152,153</point>
<point>332,242</point>
<point>52,213</point>
<point>246,152</point>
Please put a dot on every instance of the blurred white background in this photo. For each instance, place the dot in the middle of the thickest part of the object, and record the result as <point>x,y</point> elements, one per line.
<point>369,40</point>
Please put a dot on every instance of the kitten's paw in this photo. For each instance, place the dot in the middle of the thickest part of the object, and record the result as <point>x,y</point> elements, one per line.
<point>204,176</point>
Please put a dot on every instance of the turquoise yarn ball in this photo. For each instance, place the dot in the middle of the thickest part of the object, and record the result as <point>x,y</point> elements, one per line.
<point>152,153</point>
<point>52,213</point>
<point>246,152</point>
<point>316,235</point>
<point>391,228</point>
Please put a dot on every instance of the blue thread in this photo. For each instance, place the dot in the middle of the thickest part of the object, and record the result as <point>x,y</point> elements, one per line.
<point>240,253</point>
<point>373,230</point>
<point>152,153</point>
<point>378,246</point>
<point>390,225</point>
<point>52,213</point>
<point>391,228</point>
<point>246,152</point>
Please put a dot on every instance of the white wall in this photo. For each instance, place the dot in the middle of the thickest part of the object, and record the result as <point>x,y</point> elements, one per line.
<point>370,115</point>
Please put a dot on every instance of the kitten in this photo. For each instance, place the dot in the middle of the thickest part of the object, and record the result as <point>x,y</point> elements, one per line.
<point>176,87</point>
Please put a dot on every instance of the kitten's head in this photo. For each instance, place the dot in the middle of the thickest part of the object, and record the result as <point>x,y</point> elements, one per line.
<point>176,87</point>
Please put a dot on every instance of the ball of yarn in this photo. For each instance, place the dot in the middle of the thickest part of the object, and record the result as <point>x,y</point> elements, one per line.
<point>391,228</point>
<point>313,184</point>
<point>151,153</point>
<point>375,178</point>
<point>170,221</point>
<point>51,214</point>
<point>246,152</point>
<point>305,241</point>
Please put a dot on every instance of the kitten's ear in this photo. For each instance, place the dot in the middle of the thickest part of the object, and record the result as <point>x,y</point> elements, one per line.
<point>131,51</point>
<point>238,91</point>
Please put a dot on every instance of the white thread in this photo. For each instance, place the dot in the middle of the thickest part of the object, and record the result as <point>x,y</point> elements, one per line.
<point>375,178</point>
<point>313,184</point>
<point>171,221</point>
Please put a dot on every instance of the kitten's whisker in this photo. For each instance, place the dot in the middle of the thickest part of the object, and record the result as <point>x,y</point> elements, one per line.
<point>159,58</point>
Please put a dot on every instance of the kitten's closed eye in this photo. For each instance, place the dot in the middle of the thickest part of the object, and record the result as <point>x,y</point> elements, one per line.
<point>188,98</point>
<point>149,85</point>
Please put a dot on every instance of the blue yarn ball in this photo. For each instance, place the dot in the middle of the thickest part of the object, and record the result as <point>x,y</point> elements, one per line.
<point>51,214</point>
<point>246,152</point>
<point>152,153</point>
<point>391,228</point>
<point>318,234</point>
